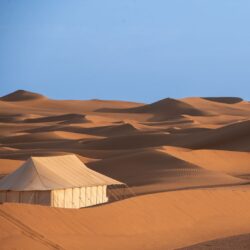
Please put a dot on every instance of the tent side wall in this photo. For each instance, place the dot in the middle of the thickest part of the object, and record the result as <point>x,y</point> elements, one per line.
<point>30,197</point>
<point>79,197</point>
<point>67,198</point>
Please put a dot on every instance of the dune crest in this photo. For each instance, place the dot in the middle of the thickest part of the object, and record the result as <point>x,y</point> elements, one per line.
<point>22,95</point>
<point>228,100</point>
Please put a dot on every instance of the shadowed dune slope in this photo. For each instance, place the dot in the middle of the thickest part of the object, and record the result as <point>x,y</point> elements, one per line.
<point>153,170</point>
<point>109,130</point>
<point>169,107</point>
<point>233,163</point>
<point>239,242</point>
<point>59,118</point>
<point>234,137</point>
<point>228,100</point>
<point>28,138</point>
<point>238,109</point>
<point>12,118</point>
<point>162,110</point>
<point>231,137</point>
<point>22,95</point>
<point>131,141</point>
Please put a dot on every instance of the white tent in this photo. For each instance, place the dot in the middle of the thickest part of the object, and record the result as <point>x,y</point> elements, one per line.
<point>58,181</point>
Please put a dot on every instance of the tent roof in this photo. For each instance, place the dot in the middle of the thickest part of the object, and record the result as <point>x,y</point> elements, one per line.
<point>54,172</point>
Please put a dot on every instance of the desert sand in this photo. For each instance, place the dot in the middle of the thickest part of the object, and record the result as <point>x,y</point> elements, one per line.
<point>187,161</point>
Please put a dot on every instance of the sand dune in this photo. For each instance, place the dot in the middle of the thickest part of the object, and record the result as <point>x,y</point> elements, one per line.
<point>215,121</point>
<point>10,118</point>
<point>100,119</point>
<point>176,219</point>
<point>168,106</point>
<point>228,100</point>
<point>198,147</point>
<point>219,108</point>
<point>230,162</point>
<point>45,136</point>
<point>66,118</point>
<point>21,95</point>
<point>10,129</point>
<point>8,166</point>
<point>142,140</point>
<point>27,138</point>
<point>220,138</point>
<point>161,110</point>
<point>44,106</point>
<point>238,242</point>
<point>109,130</point>
<point>154,170</point>
<point>9,149</point>
<point>75,136</point>
<point>24,154</point>
<point>140,126</point>
<point>234,137</point>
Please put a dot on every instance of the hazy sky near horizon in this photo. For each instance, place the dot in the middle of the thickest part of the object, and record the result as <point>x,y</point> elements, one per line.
<point>137,50</point>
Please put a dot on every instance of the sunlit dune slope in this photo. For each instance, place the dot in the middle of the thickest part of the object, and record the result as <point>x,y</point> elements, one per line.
<point>159,221</point>
<point>233,163</point>
<point>8,166</point>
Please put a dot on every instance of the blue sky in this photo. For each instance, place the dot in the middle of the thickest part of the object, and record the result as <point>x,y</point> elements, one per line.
<point>139,50</point>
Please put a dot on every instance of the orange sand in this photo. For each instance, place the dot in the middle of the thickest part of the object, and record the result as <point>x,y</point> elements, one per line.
<point>197,148</point>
